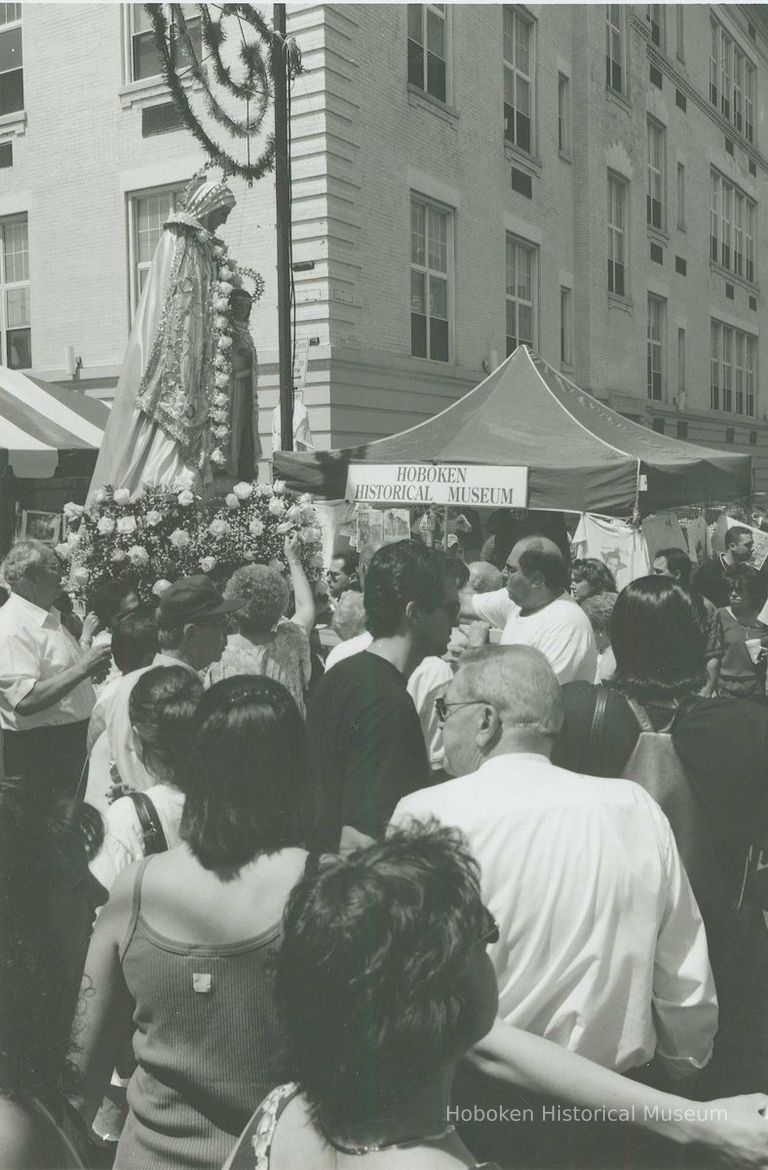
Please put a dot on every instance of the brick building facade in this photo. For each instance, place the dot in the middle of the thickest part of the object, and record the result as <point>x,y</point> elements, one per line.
<point>588,179</point>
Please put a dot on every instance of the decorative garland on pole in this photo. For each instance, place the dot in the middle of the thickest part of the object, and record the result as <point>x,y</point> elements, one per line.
<point>256,87</point>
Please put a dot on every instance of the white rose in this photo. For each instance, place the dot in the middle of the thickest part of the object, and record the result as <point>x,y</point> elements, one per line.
<point>221,400</point>
<point>64,551</point>
<point>286,526</point>
<point>308,536</point>
<point>221,304</point>
<point>305,498</point>
<point>185,498</point>
<point>278,487</point>
<point>218,527</point>
<point>276,506</point>
<point>138,556</point>
<point>308,513</point>
<point>208,564</point>
<point>118,555</point>
<point>256,527</point>
<point>294,512</point>
<point>126,524</point>
<point>225,288</point>
<point>105,526</point>
<point>154,518</point>
<point>265,490</point>
<point>224,342</point>
<point>222,380</point>
<point>243,490</point>
<point>185,479</point>
<point>122,496</point>
<point>179,538</point>
<point>219,321</point>
<point>73,511</point>
<point>232,501</point>
<point>100,497</point>
<point>218,457</point>
<point>221,432</point>
<point>80,576</point>
<point>160,586</point>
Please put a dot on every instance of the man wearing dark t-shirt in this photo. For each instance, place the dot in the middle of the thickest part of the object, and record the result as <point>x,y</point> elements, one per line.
<point>366,745</point>
<point>710,579</point>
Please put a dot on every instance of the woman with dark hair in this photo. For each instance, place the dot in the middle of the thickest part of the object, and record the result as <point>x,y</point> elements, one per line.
<point>47,905</point>
<point>188,939</point>
<point>589,577</point>
<point>659,639</point>
<point>383,983</point>
<point>742,670</point>
<point>162,709</point>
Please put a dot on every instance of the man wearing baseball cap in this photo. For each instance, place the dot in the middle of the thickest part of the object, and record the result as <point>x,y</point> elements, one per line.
<point>191,633</point>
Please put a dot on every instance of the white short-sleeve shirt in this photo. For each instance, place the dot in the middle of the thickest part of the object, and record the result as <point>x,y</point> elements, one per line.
<point>561,630</point>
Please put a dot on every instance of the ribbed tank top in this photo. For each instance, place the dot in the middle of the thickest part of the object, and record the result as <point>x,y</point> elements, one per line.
<point>206,1041</point>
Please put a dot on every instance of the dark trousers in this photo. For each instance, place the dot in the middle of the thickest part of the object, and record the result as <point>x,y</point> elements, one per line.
<point>47,760</point>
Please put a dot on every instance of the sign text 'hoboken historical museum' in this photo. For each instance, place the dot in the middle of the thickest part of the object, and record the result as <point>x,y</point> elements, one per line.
<point>458,484</point>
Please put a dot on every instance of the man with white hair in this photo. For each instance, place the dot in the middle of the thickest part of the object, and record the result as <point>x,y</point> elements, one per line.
<point>601,944</point>
<point>46,696</point>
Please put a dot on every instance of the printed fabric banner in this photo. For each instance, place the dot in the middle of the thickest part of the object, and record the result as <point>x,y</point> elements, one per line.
<point>614,542</point>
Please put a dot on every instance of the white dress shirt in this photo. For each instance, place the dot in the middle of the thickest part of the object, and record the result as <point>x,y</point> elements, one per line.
<point>602,948</point>
<point>35,646</point>
<point>561,630</point>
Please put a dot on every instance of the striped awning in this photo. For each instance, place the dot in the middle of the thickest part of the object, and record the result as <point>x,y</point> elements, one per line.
<point>39,420</point>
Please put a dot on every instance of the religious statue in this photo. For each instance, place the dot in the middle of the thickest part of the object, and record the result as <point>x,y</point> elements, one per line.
<point>172,418</point>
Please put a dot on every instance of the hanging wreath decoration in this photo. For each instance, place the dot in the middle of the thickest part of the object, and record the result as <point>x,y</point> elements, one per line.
<point>256,86</point>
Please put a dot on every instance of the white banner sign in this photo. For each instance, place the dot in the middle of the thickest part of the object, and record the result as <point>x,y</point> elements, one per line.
<point>453,484</point>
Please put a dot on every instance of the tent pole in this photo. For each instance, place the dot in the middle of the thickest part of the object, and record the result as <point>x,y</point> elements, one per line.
<point>445,529</point>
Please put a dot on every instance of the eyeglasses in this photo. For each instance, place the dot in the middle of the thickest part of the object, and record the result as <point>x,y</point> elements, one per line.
<point>490,931</point>
<point>442,708</point>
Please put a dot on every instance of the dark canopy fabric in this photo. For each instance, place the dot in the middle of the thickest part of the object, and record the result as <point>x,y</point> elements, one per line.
<point>581,456</point>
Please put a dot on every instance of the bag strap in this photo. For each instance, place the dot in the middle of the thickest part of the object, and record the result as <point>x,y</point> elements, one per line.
<point>151,829</point>
<point>594,746</point>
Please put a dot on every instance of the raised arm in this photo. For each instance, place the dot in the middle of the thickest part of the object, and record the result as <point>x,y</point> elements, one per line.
<point>304,602</point>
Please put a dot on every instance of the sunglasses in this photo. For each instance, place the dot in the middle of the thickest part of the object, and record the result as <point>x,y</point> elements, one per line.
<point>442,708</point>
<point>490,930</point>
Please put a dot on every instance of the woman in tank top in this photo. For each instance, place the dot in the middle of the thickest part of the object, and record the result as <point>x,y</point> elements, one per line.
<point>187,942</point>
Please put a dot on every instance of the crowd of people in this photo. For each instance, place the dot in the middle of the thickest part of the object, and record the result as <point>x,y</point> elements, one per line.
<point>491,864</point>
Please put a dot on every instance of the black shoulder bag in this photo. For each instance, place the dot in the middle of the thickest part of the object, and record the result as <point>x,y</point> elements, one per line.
<point>151,829</point>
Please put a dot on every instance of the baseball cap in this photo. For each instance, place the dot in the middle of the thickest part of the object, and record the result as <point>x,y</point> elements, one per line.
<point>192,598</point>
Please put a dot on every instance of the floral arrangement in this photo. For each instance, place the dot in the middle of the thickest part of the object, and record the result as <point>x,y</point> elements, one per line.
<point>160,534</point>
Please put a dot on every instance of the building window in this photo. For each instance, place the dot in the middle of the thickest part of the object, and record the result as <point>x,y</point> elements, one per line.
<point>617,236</point>
<point>146,60</point>
<point>11,60</point>
<point>655,196</point>
<point>682,429</point>
<point>148,211</point>
<point>734,359</point>
<point>680,31</point>
<point>15,332</point>
<point>615,41</point>
<point>563,114</point>
<point>655,371</point>
<point>654,15</point>
<point>518,79</point>
<point>566,327</point>
<point>428,49</point>
<point>680,365</point>
<point>681,197</point>
<point>521,293</point>
<point>732,228</point>
<point>430,279</point>
<point>730,435</point>
<point>732,81</point>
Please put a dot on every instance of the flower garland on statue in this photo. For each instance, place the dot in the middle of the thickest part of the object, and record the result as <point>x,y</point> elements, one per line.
<point>160,534</point>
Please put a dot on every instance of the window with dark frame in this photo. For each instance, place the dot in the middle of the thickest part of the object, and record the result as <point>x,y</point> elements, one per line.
<point>520,293</point>
<point>656,177</point>
<point>615,48</point>
<point>732,80</point>
<point>146,59</point>
<point>655,347</point>
<point>566,326</point>
<point>563,114</point>
<point>148,211</point>
<point>11,60</point>
<point>15,322</point>
<point>428,49</point>
<point>654,15</point>
<point>518,79</point>
<point>732,219</point>
<point>618,193</point>
<point>733,378</point>
<point>431,241</point>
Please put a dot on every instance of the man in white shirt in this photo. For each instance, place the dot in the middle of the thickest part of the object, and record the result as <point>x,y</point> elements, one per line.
<point>46,696</point>
<point>601,944</point>
<point>535,609</point>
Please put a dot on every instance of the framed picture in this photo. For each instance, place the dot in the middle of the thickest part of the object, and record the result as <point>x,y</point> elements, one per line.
<point>45,526</point>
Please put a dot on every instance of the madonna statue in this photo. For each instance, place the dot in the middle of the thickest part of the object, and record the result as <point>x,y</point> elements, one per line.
<point>162,426</point>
